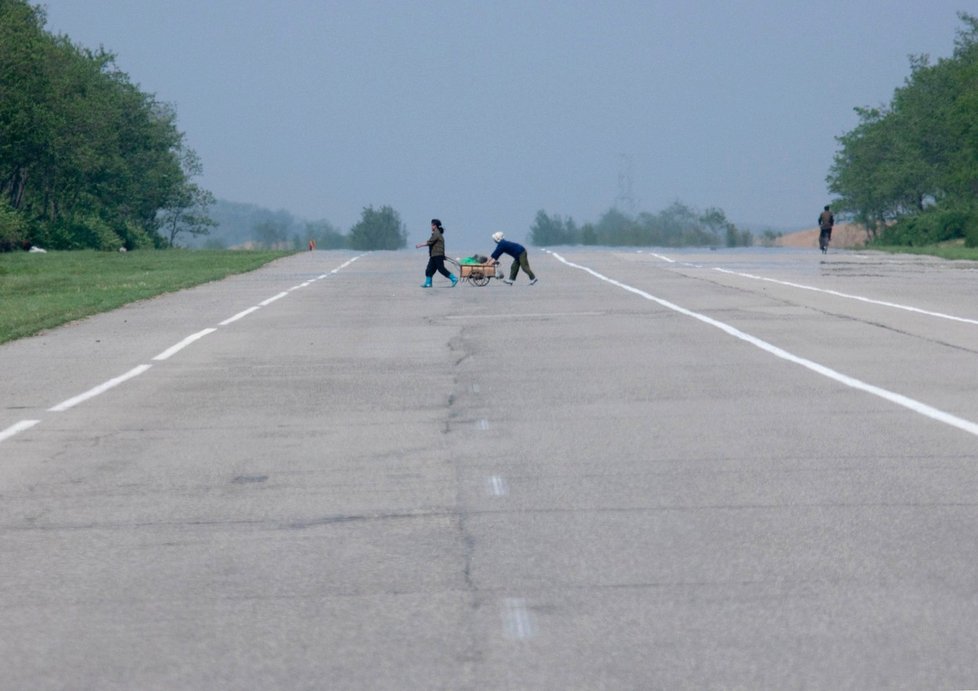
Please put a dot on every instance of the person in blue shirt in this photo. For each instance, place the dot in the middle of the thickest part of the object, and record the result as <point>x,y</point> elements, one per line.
<point>517,252</point>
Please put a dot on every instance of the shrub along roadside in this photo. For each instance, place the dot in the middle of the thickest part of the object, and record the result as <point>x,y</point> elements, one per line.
<point>41,291</point>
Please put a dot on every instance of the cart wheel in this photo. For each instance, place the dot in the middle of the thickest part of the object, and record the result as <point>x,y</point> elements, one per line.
<point>479,279</point>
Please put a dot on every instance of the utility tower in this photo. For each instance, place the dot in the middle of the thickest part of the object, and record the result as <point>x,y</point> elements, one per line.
<point>625,201</point>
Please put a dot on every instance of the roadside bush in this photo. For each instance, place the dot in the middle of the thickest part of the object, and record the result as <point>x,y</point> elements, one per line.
<point>928,228</point>
<point>13,228</point>
<point>134,237</point>
<point>81,231</point>
<point>971,231</point>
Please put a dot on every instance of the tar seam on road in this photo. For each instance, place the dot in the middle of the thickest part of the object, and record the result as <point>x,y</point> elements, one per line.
<point>852,382</point>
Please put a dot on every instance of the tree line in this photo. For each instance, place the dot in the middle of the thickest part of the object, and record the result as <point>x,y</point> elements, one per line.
<point>676,226</point>
<point>239,225</point>
<point>86,158</point>
<point>908,171</point>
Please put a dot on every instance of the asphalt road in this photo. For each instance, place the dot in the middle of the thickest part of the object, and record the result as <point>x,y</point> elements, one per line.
<point>673,469</point>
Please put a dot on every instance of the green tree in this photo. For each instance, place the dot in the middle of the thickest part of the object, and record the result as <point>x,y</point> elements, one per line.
<point>326,235</point>
<point>552,230</point>
<point>716,223</point>
<point>187,212</point>
<point>271,234</point>
<point>379,229</point>
<point>589,235</point>
<point>615,228</point>
<point>187,208</point>
<point>911,167</point>
<point>13,229</point>
<point>24,123</point>
<point>84,154</point>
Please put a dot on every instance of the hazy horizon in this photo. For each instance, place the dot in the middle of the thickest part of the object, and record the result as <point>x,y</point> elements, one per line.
<point>483,114</point>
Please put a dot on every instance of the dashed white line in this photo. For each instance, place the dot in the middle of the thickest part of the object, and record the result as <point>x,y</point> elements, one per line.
<point>517,623</point>
<point>240,315</point>
<point>483,424</point>
<point>100,389</point>
<point>898,399</point>
<point>497,486</point>
<point>265,303</point>
<point>17,428</point>
<point>173,350</point>
<point>345,264</point>
<point>169,352</point>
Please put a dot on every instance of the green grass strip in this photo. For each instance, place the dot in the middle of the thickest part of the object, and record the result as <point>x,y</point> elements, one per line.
<point>944,251</point>
<point>41,291</point>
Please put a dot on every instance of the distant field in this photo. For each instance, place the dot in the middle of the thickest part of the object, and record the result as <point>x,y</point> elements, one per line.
<point>41,291</point>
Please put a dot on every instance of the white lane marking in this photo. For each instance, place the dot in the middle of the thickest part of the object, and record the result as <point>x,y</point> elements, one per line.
<point>136,371</point>
<point>483,424</point>
<point>240,315</point>
<point>498,487</point>
<point>346,264</point>
<point>899,399</point>
<point>836,293</point>
<point>16,428</point>
<point>475,388</point>
<point>663,257</point>
<point>522,315</point>
<point>265,303</point>
<point>100,389</point>
<point>174,349</point>
<point>517,623</point>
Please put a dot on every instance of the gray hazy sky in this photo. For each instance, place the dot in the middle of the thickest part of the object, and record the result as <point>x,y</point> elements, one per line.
<point>482,113</point>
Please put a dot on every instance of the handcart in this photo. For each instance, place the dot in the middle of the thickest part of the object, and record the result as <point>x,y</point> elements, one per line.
<point>477,273</point>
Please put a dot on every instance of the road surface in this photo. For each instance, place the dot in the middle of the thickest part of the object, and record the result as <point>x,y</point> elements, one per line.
<point>653,469</point>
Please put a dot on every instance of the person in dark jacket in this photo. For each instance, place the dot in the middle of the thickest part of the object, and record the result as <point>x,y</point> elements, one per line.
<point>517,252</point>
<point>825,222</point>
<point>436,255</point>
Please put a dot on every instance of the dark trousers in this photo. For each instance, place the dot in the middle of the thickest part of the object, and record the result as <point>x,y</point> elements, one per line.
<point>523,263</point>
<point>824,238</point>
<point>436,264</point>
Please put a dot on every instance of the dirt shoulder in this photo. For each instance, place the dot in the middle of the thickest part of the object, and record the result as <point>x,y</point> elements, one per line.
<point>844,235</point>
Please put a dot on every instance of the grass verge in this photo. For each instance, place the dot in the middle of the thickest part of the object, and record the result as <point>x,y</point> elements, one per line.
<point>41,291</point>
<point>953,249</point>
